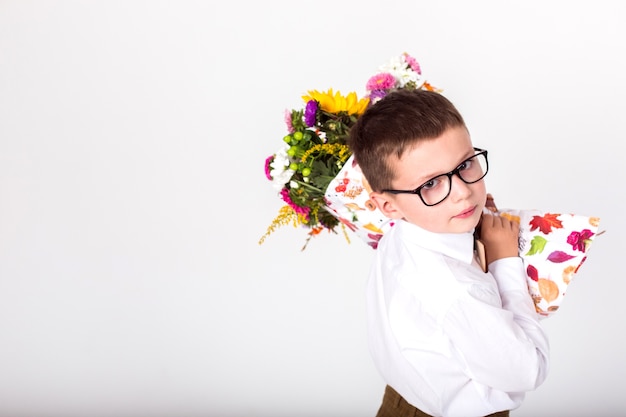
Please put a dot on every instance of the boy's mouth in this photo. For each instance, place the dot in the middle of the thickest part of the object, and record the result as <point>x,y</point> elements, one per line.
<point>466,213</point>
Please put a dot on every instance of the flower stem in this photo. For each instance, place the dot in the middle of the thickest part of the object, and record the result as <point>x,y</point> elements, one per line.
<point>309,186</point>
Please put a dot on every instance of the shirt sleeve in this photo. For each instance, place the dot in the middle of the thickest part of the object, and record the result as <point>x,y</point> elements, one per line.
<point>500,344</point>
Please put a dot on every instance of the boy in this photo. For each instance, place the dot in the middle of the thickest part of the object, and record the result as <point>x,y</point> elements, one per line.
<point>448,338</point>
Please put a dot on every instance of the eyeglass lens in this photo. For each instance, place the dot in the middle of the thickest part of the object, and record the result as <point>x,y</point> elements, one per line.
<point>470,171</point>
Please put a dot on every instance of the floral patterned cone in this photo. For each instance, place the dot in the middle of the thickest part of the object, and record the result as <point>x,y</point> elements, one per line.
<point>347,198</point>
<point>553,247</point>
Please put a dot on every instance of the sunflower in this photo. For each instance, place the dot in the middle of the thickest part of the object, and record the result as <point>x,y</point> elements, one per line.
<point>336,103</point>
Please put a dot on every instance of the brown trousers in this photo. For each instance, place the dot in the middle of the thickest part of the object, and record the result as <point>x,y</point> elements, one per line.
<point>395,406</point>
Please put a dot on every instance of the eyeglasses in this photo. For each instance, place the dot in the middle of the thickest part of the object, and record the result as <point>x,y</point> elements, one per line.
<point>437,189</point>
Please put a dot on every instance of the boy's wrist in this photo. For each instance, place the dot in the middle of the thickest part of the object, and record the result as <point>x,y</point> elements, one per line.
<point>492,257</point>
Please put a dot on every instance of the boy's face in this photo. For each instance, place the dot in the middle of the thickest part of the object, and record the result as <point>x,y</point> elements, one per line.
<point>461,211</point>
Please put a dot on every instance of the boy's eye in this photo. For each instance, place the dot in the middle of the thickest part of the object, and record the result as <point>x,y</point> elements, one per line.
<point>429,185</point>
<point>465,165</point>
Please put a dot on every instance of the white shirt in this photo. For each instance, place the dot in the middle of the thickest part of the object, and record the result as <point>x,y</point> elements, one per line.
<point>450,338</point>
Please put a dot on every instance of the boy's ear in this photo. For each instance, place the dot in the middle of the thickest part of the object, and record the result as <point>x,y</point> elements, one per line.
<point>385,204</point>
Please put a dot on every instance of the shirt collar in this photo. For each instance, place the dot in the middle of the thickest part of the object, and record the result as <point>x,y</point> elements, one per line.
<point>455,245</point>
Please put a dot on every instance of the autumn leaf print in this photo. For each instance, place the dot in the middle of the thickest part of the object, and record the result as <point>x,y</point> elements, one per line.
<point>536,245</point>
<point>374,238</point>
<point>545,223</point>
<point>532,273</point>
<point>559,256</point>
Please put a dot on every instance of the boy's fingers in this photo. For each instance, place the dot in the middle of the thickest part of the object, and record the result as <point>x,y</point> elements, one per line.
<point>488,219</point>
<point>490,203</point>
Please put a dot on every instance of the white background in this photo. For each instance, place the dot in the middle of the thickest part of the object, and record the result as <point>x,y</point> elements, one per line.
<point>132,196</point>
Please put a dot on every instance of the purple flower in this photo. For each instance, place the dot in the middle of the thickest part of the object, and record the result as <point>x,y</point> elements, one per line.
<point>376,95</point>
<point>310,112</point>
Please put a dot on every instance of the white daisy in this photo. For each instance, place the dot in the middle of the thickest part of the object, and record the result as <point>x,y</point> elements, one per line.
<point>280,172</point>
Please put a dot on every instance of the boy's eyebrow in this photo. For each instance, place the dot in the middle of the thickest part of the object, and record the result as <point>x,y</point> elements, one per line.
<point>425,178</point>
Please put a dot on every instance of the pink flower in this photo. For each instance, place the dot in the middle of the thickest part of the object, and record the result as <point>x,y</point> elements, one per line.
<point>303,211</point>
<point>268,171</point>
<point>382,81</point>
<point>288,121</point>
<point>415,66</point>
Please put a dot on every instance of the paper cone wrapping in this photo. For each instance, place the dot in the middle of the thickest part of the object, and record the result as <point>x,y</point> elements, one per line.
<point>347,198</point>
<point>553,246</point>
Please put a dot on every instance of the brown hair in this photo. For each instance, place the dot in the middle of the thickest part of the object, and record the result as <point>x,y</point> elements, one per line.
<point>393,124</point>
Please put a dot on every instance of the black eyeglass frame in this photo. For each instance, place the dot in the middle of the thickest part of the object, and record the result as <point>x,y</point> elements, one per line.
<point>455,171</point>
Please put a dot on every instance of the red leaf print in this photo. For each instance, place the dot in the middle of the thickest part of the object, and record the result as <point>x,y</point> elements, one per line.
<point>531,271</point>
<point>545,223</point>
<point>559,256</point>
<point>375,236</point>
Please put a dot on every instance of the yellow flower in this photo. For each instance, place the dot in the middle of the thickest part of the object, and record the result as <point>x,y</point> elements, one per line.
<point>336,103</point>
<point>342,152</point>
<point>286,215</point>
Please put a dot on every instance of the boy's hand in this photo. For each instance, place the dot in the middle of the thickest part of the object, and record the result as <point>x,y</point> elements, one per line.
<point>490,204</point>
<point>500,237</point>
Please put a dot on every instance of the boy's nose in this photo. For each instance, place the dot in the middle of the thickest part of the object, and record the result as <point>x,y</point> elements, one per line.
<point>459,189</point>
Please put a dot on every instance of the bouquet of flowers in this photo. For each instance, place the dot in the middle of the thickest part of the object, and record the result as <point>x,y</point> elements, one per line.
<point>315,148</point>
